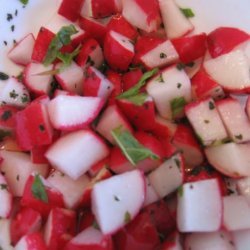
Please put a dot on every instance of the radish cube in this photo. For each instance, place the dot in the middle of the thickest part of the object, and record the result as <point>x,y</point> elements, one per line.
<point>80,149</point>
<point>117,200</point>
<point>150,194</point>
<point>21,53</point>
<point>5,198</point>
<point>236,213</point>
<point>31,242</point>
<point>206,121</point>
<point>242,239</point>
<point>199,206</point>
<point>5,237</point>
<point>166,178</point>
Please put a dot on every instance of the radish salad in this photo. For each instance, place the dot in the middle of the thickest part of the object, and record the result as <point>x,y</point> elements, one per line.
<point>126,130</point>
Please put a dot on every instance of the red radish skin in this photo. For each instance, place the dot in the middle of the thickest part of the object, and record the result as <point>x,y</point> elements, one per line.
<point>31,242</point>
<point>119,24</point>
<point>130,78</point>
<point>7,117</point>
<point>70,9</point>
<point>42,43</point>
<point>26,221</point>
<point>190,48</point>
<point>95,169</point>
<point>204,86</point>
<point>38,154</point>
<point>224,39</point>
<point>22,51</point>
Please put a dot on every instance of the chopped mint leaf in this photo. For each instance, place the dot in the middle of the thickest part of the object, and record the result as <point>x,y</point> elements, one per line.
<point>127,217</point>
<point>138,99</point>
<point>177,105</point>
<point>3,186</point>
<point>24,2</point>
<point>95,225</point>
<point>3,76</point>
<point>239,137</point>
<point>116,198</point>
<point>187,12</point>
<point>160,78</point>
<point>6,115</point>
<point>130,147</point>
<point>163,55</point>
<point>38,190</point>
<point>63,37</point>
<point>135,89</point>
<point>211,105</point>
<point>180,191</point>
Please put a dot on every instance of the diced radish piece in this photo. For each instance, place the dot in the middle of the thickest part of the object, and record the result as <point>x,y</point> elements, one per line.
<point>241,239</point>
<point>204,86</point>
<point>14,93</point>
<point>71,78</point>
<point>96,28</point>
<point>184,139</point>
<point>25,222</point>
<point>42,43</point>
<point>60,222</point>
<point>169,148</point>
<point>150,195</point>
<point>5,198</point>
<point>120,25</point>
<point>236,214</point>
<point>236,164</point>
<point>130,78</point>
<point>162,55</point>
<point>199,206</point>
<point>118,51</point>
<point>190,48</point>
<point>230,70</point>
<point>41,204</point>
<point>96,168</point>
<point>33,127</point>
<point>8,117</point>
<point>96,84</point>
<point>5,237</point>
<point>72,190</point>
<point>31,242</point>
<point>171,90</point>
<point>117,200</point>
<point>90,54</point>
<point>37,83</point>
<point>110,119</point>
<point>168,176</point>
<point>17,168</point>
<point>80,149</point>
<point>223,39</point>
<point>220,240</point>
<point>205,119</point>
<point>141,116</point>
<point>175,23</point>
<point>37,154</point>
<point>193,67</point>
<point>90,238</point>
<point>141,233</point>
<point>143,16</point>
<point>234,119</point>
<point>21,53</point>
<point>73,112</point>
<point>70,9</point>
<point>243,187</point>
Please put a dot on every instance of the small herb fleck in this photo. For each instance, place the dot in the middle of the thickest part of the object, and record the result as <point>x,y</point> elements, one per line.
<point>9,17</point>
<point>16,12</point>
<point>187,12</point>
<point>5,43</point>
<point>190,64</point>
<point>239,137</point>
<point>127,217</point>
<point>95,225</point>
<point>38,189</point>
<point>12,27</point>
<point>211,105</point>
<point>179,85</point>
<point>160,78</point>
<point>180,66</point>
<point>191,186</point>
<point>3,186</point>
<point>3,76</point>
<point>206,121</point>
<point>13,94</point>
<point>116,198</point>
<point>6,115</point>
<point>163,55</point>
<point>24,98</point>
<point>18,177</point>
<point>41,127</point>
<point>180,191</point>
<point>177,162</point>
<point>90,61</point>
<point>25,2</point>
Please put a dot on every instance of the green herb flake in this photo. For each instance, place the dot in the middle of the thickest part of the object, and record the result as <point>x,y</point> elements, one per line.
<point>136,88</point>
<point>180,191</point>
<point>18,177</point>
<point>3,76</point>
<point>63,37</point>
<point>139,99</point>
<point>239,137</point>
<point>163,55</point>
<point>206,121</point>
<point>211,105</point>
<point>177,162</point>
<point>177,105</point>
<point>38,190</point>
<point>13,94</point>
<point>190,64</point>
<point>24,2</point>
<point>180,66</point>
<point>95,225</point>
<point>6,115</point>
<point>24,98</point>
<point>179,85</point>
<point>127,217</point>
<point>187,12</point>
<point>3,186</point>
<point>90,61</point>
<point>160,78</point>
<point>116,198</point>
<point>131,148</point>
<point>41,128</point>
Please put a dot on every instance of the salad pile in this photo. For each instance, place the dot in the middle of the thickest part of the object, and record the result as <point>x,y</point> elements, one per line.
<point>125,131</point>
